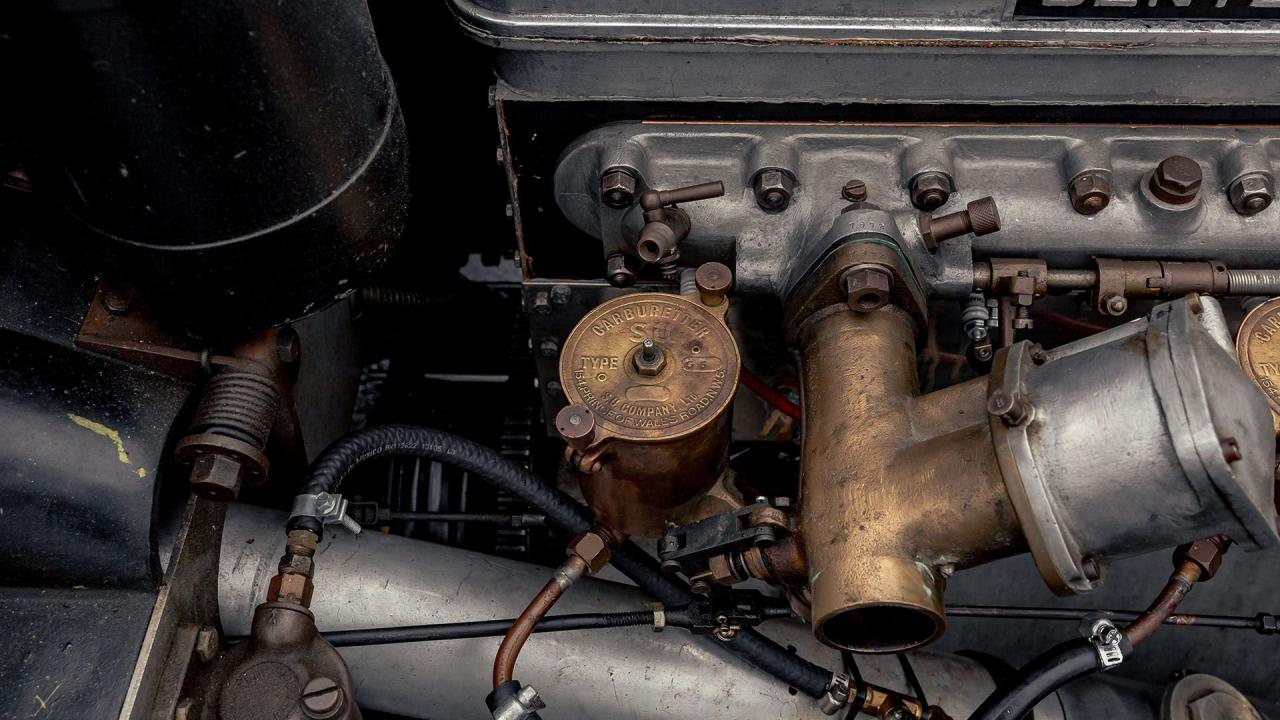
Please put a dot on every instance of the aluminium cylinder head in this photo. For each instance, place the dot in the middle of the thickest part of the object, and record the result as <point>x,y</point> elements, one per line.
<point>1139,438</point>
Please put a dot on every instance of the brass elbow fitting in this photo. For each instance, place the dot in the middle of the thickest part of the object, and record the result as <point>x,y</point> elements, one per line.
<point>897,491</point>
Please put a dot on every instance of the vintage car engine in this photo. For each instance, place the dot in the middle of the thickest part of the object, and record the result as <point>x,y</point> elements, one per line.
<point>724,359</point>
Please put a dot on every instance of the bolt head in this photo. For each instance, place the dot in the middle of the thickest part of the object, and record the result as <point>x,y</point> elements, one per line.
<point>1090,193</point>
<point>1116,305</point>
<point>931,190</point>
<point>116,302</point>
<point>867,288</point>
<point>296,589</point>
<point>1252,193</point>
<point>618,188</point>
<point>206,643</point>
<point>619,271</point>
<point>1176,180</point>
<point>322,698</point>
<point>773,189</point>
<point>854,191</point>
<point>216,477</point>
<point>542,303</point>
<point>548,348</point>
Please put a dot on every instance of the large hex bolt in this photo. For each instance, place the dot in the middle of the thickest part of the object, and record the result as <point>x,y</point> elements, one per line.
<point>618,187</point>
<point>1252,193</point>
<point>931,190</point>
<point>980,217</point>
<point>773,189</point>
<point>1176,180</point>
<point>867,288</point>
<point>1090,192</point>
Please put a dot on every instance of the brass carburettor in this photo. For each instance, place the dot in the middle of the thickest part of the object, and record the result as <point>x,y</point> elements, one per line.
<point>650,379</point>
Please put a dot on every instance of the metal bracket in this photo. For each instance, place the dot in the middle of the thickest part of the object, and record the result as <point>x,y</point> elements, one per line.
<point>328,508</point>
<point>1106,638</point>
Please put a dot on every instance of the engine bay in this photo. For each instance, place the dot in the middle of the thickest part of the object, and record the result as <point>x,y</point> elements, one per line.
<point>515,360</point>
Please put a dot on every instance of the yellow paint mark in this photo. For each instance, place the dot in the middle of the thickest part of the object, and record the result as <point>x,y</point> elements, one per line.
<point>108,433</point>
<point>43,703</point>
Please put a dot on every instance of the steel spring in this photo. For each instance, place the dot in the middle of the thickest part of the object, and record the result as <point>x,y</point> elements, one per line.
<point>239,405</point>
<point>1253,282</point>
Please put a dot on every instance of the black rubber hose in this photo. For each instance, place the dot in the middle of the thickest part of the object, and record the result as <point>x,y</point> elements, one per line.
<point>483,628</point>
<point>562,511</point>
<point>1038,679</point>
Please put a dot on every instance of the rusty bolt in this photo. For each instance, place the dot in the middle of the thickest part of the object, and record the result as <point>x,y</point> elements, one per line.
<point>1090,192</point>
<point>1011,408</point>
<point>931,190</point>
<point>1251,194</point>
<point>773,189</point>
<point>290,588</point>
<point>854,191</point>
<point>322,698</point>
<point>713,280</point>
<point>576,425</point>
<point>548,348</point>
<point>296,564</point>
<point>206,643</point>
<point>1206,554</point>
<point>867,288</point>
<point>116,302</point>
<point>649,359</point>
<point>618,187</point>
<point>593,550</point>
<point>216,477</point>
<point>1176,180</point>
<point>1116,305</point>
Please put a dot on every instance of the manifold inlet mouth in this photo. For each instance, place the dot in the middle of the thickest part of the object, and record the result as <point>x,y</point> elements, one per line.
<point>881,605</point>
<point>881,628</point>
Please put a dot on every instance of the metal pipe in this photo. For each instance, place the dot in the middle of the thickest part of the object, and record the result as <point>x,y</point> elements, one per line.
<point>504,663</point>
<point>376,579</point>
<point>1262,623</point>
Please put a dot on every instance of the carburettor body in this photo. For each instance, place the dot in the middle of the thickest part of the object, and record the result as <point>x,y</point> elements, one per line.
<point>650,379</point>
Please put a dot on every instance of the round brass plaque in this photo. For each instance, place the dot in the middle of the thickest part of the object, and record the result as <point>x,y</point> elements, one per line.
<point>1258,345</point>
<point>676,383</point>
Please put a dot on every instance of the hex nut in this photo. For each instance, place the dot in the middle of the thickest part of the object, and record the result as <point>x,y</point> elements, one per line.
<point>542,303</point>
<point>931,190</point>
<point>216,477</point>
<point>867,288</point>
<point>290,588</point>
<point>549,348</point>
<point>618,188</point>
<point>1251,194</point>
<point>295,564</point>
<point>593,550</point>
<point>1090,193</point>
<point>773,189</point>
<point>618,271</point>
<point>1206,554</point>
<point>1176,180</point>
<point>649,359</point>
<point>207,643</point>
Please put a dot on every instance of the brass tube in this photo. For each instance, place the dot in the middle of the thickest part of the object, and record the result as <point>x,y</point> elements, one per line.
<point>896,491</point>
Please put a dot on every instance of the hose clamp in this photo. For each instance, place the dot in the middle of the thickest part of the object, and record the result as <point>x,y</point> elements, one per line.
<point>1107,639</point>
<point>328,508</point>
<point>837,696</point>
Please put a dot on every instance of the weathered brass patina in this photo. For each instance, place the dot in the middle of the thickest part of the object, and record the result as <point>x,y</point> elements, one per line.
<point>898,491</point>
<point>656,373</point>
<point>1258,345</point>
